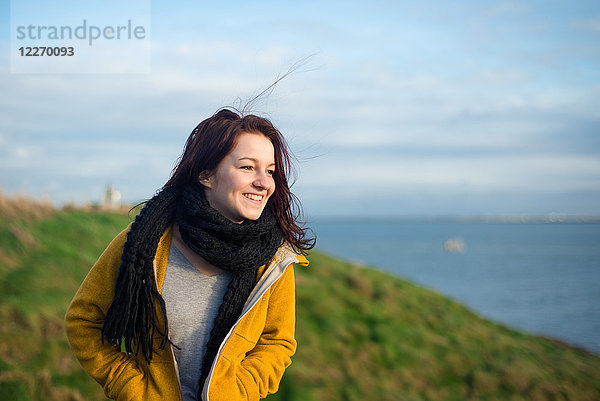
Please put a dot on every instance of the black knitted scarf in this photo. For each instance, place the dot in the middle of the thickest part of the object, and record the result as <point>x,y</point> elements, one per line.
<point>132,318</point>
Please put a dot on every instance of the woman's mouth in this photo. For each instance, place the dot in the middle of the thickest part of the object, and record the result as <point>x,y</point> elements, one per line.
<point>254,197</point>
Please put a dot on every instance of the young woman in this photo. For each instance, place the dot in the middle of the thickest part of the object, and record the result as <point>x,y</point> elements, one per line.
<point>195,299</point>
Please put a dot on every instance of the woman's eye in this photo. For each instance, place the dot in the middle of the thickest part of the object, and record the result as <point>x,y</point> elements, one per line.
<point>246,167</point>
<point>271,172</point>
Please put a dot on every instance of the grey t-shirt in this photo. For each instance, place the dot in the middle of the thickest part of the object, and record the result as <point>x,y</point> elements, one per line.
<point>192,300</point>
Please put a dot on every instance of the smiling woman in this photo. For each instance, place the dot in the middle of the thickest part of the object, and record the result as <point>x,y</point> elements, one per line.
<point>195,300</point>
<point>243,181</point>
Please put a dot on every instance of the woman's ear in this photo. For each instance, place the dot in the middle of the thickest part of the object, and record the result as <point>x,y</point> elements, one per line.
<point>204,178</point>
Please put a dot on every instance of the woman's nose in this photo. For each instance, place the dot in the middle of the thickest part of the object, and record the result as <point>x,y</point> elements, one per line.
<point>263,181</point>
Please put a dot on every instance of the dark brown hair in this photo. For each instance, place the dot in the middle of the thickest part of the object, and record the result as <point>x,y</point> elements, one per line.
<point>215,137</point>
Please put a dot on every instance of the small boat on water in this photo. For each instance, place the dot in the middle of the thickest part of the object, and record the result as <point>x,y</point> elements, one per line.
<point>455,245</point>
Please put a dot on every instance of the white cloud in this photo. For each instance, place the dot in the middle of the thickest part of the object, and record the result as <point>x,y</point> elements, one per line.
<point>374,173</point>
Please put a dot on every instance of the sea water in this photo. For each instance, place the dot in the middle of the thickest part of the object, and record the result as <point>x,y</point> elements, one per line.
<point>540,278</point>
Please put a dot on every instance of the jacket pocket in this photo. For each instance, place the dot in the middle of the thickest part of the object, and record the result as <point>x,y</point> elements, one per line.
<point>230,381</point>
<point>141,381</point>
<point>237,347</point>
<point>252,325</point>
<point>125,384</point>
<point>160,381</point>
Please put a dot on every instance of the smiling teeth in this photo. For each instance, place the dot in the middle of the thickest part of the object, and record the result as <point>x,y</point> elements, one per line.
<point>253,197</point>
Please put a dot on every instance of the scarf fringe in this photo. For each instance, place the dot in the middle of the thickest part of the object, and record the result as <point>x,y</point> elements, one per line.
<point>131,318</point>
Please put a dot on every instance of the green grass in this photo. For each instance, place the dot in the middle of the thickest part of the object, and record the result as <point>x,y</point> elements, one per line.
<point>44,261</point>
<point>362,334</point>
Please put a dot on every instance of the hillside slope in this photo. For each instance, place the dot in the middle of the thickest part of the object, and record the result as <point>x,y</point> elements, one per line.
<point>363,335</point>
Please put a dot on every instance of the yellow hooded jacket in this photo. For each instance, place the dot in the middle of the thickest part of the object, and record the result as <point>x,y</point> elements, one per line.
<point>250,362</point>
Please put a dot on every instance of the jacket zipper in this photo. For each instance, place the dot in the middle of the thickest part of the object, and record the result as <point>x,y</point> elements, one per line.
<point>253,299</point>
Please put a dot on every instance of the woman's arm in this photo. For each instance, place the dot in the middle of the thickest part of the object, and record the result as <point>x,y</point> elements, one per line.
<point>276,345</point>
<point>116,371</point>
<point>259,372</point>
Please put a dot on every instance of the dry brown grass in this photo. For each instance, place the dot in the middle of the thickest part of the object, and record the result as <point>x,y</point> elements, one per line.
<point>23,235</point>
<point>6,260</point>
<point>24,207</point>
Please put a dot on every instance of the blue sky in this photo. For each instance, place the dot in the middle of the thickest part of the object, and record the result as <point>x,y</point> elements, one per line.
<point>404,108</point>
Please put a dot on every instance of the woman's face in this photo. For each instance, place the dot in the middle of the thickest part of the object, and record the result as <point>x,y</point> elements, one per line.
<point>243,181</point>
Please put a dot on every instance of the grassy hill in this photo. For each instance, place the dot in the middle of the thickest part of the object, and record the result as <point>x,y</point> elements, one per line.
<point>363,335</point>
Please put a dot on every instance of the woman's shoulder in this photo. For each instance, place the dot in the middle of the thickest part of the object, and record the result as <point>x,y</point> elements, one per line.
<point>286,250</point>
<point>120,239</point>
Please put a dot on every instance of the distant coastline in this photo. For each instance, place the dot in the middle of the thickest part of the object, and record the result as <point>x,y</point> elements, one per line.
<point>549,218</point>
